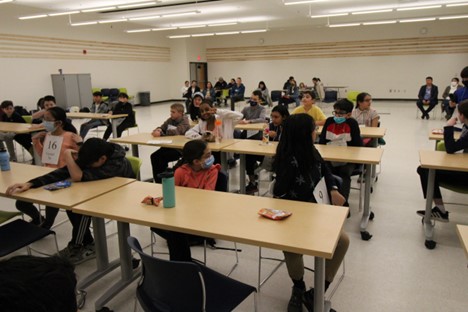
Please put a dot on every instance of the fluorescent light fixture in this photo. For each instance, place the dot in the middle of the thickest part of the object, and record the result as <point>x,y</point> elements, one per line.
<point>226,33</point>
<point>142,18</point>
<point>63,13</point>
<point>165,28</point>
<point>84,23</point>
<point>98,9</point>
<point>379,23</point>
<point>180,14</point>
<point>203,35</point>
<point>138,30</point>
<point>413,20</point>
<point>178,36</point>
<point>113,21</point>
<point>329,15</point>
<point>372,12</point>
<point>303,2</point>
<point>191,26</point>
<point>32,16</point>
<point>5,1</point>
<point>420,8</point>
<point>222,24</point>
<point>456,4</point>
<point>135,5</point>
<point>345,25</point>
<point>452,17</point>
<point>253,31</point>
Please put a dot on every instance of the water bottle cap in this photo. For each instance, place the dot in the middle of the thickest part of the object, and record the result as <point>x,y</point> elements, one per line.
<point>166,174</point>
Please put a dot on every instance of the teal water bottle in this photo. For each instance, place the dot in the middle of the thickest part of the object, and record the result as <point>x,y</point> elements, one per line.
<point>4,159</point>
<point>168,188</point>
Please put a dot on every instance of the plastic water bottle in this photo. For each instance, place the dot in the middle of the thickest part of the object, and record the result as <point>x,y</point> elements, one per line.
<point>4,159</point>
<point>266,135</point>
<point>168,188</point>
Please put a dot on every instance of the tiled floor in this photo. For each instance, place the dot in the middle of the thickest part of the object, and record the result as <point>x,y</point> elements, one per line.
<point>391,272</point>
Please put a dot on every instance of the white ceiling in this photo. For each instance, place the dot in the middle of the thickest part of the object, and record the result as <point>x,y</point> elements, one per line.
<point>250,14</point>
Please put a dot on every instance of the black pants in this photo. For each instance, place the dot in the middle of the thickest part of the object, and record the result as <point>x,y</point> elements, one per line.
<point>420,105</point>
<point>178,244</point>
<point>160,160</point>
<point>452,177</point>
<point>81,234</point>
<point>234,99</point>
<point>120,128</point>
<point>32,211</point>
<point>344,172</point>
<point>447,109</point>
<point>286,101</point>
<point>24,140</point>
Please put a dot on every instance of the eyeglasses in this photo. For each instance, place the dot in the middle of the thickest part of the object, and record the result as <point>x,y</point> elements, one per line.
<point>339,113</point>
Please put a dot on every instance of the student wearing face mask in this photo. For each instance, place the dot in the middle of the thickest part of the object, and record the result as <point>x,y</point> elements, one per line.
<point>449,91</point>
<point>342,130</point>
<point>51,145</point>
<point>459,96</point>
<point>196,169</point>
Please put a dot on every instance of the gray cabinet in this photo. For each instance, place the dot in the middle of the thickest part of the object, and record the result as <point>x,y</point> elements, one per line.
<point>72,90</point>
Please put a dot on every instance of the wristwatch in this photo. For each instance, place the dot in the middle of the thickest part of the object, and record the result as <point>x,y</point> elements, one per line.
<point>334,188</point>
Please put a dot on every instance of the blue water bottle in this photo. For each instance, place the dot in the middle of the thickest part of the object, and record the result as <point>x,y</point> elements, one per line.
<point>168,188</point>
<point>4,159</point>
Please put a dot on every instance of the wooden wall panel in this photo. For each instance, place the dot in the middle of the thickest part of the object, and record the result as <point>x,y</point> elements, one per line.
<point>17,46</point>
<point>408,46</point>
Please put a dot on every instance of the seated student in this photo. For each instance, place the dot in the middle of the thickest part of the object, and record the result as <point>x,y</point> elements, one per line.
<point>364,114</point>
<point>342,130</point>
<point>299,167</point>
<point>453,177</point>
<point>448,92</point>
<point>265,93</point>
<point>194,88</point>
<point>24,138</point>
<point>427,95</point>
<point>59,132</point>
<point>459,96</point>
<point>290,94</point>
<point>209,92</point>
<point>97,159</point>
<point>37,284</point>
<point>47,102</point>
<point>206,129</point>
<point>308,107</point>
<point>279,113</point>
<point>194,106</point>
<point>98,107</point>
<point>177,124</point>
<point>122,107</point>
<point>195,170</point>
<point>237,93</point>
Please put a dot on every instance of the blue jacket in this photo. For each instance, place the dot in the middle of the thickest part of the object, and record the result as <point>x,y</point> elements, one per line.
<point>238,90</point>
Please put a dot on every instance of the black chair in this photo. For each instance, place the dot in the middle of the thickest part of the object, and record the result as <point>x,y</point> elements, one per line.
<point>113,94</point>
<point>275,95</point>
<point>186,286</point>
<point>18,234</point>
<point>330,96</point>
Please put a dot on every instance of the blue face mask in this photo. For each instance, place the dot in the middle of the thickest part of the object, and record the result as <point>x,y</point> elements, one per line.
<point>209,162</point>
<point>49,125</point>
<point>339,120</point>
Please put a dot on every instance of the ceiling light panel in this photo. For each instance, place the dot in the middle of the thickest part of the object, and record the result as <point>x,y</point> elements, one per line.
<point>419,8</point>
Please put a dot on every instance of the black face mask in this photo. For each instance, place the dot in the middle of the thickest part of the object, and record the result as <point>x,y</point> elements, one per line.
<point>465,82</point>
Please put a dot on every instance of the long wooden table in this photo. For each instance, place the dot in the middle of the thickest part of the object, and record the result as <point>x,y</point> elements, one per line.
<point>19,128</point>
<point>358,155</point>
<point>437,137</point>
<point>111,117</point>
<point>462,231</point>
<point>438,160</point>
<point>77,193</point>
<point>311,230</point>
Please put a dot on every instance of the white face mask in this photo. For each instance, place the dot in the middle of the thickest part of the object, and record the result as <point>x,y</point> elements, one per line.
<point>454,84</point>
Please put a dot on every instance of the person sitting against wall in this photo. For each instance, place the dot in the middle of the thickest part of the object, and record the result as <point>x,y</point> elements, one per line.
<point>237,93</point>
<point>265,93</point>
<point>448,92</point>
<point>427,96</point>
<point>290,95</point>
<point>209,92</point>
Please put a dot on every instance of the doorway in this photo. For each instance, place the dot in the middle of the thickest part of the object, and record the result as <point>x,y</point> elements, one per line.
<point>199,72</point>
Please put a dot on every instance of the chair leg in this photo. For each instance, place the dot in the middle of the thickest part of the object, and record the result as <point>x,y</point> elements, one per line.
<point>332,292</point>
<point>260,282</point>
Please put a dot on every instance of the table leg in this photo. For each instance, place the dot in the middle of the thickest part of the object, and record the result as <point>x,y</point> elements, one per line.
<point>114,128</point>
<point>242,174</point>
<point>102,258</point>
<point>428,226</point>
<point>319,285</point>
<point>224,164</point>
<point>127,274</point>
<point>366,213</point>
<point>135,151</point>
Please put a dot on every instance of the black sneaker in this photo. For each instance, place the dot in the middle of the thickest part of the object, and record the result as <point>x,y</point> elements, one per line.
<point>308,299</point>
<point>436,214</point>
<point>295,302</point>
<point>251,188</point>
<point>83,254</point>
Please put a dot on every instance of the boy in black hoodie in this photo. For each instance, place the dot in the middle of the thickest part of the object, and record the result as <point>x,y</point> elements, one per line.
<point>96,160</point>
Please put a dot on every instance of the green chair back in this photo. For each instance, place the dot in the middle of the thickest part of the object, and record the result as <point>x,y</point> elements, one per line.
<point>136,165</point>
<point>27,118</point>
<point>95,90</point>
<point>352,96</point>
<point>7,215</point>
